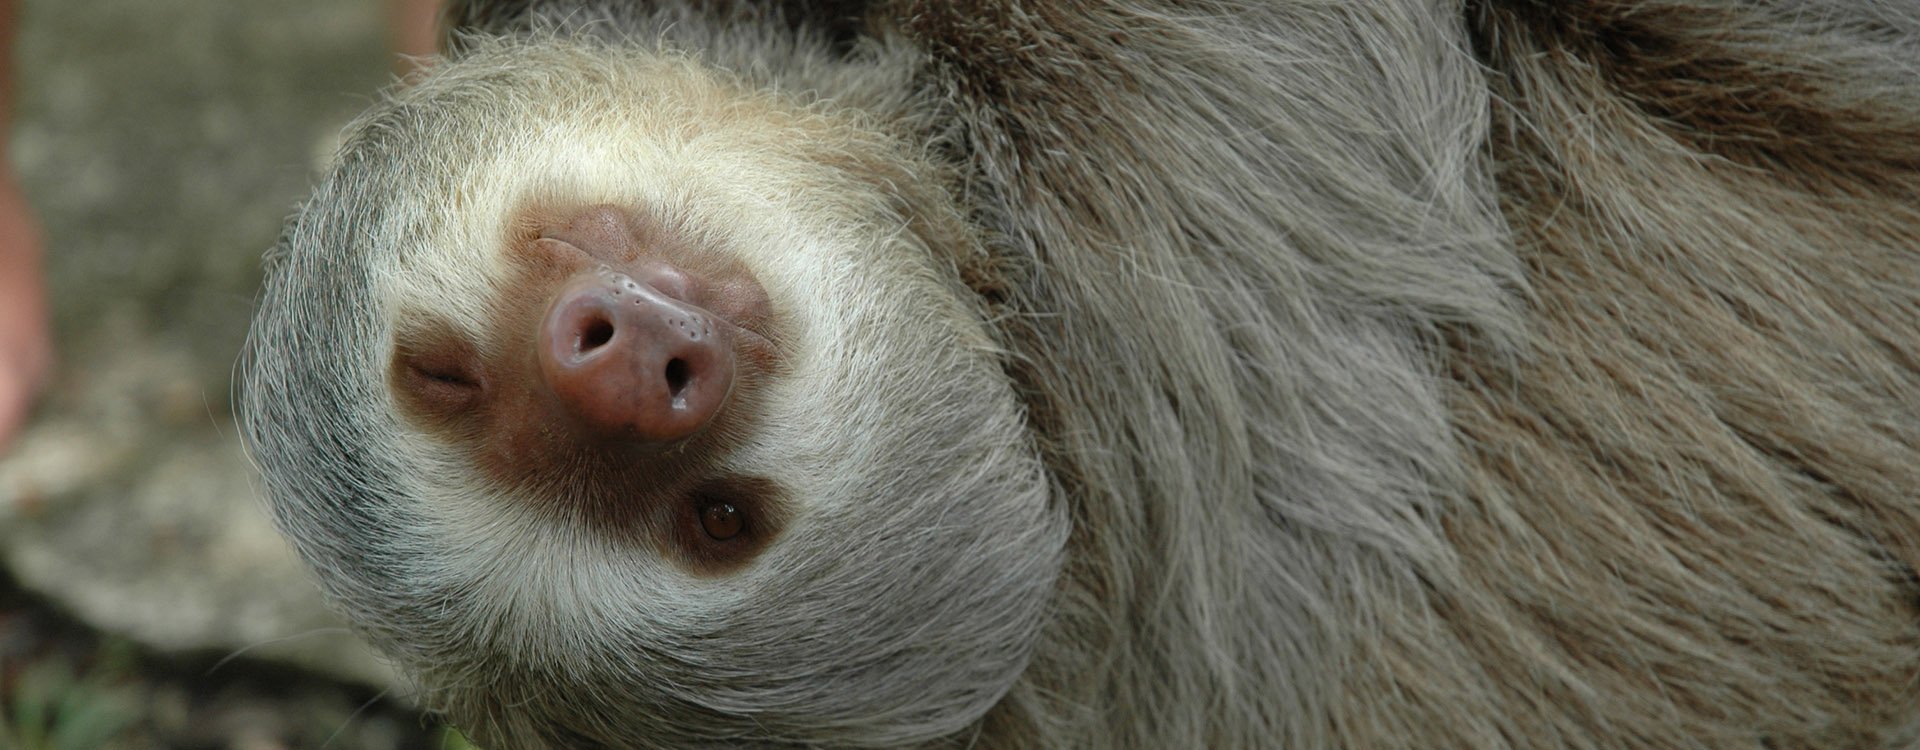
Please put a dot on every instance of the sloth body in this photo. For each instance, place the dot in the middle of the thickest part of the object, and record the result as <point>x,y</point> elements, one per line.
<point>1126,374</point>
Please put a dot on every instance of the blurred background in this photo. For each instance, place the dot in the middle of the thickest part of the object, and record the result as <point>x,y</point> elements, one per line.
<point>145,601</point>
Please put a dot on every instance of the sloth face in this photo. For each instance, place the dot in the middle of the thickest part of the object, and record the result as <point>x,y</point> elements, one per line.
<point>605,393</point>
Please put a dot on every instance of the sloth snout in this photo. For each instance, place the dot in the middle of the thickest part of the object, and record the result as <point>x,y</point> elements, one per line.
<point>632,363</point>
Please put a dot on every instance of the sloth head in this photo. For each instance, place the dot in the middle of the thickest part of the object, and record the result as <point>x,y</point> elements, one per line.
<point>615,399</point>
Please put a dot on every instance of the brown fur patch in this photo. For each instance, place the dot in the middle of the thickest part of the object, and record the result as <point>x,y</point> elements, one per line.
<point>1741,83</point>
<point>1692,503</point>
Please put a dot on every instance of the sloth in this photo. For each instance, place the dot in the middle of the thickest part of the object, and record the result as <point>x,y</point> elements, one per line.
<point>1121,373</point>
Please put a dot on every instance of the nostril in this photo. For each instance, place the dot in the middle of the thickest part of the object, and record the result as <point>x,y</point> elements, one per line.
<point>677,377</point>
<point>634,374</point>
<point>595,334</point>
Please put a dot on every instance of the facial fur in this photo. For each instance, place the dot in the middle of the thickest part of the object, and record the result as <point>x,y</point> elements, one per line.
<point>910,500</point>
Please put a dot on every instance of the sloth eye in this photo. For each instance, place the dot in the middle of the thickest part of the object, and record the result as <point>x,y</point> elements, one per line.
<point>453,378</point>
<point>721,520</point>
<point>436,374</point>
<point>725,522</point>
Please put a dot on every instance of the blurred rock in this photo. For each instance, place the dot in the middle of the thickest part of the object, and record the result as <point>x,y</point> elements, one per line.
<point>163,142</point>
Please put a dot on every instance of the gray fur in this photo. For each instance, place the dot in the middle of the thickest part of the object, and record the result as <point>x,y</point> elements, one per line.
<point>1299,374</point>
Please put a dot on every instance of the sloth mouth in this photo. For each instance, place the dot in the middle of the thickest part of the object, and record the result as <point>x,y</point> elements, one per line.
<point>640,247</point>
<point>615,334</point>
<point>751,337</point>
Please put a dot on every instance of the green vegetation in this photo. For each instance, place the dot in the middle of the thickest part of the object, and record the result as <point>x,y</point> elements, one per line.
<point>452,739</point>
<point>46,706</point>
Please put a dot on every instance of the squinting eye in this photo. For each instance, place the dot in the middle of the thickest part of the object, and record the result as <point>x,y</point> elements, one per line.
<point>721,520</point>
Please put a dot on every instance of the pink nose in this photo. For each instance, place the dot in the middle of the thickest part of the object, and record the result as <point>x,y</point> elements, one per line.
<point>630,363</point>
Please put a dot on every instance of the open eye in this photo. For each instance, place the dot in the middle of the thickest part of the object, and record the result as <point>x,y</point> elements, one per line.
<point>721,520</point>
<point>724,522</point>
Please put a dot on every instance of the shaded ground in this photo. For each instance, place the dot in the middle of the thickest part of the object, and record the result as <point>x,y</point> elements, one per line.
<point>64,686</point>
<point>163,142</point>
